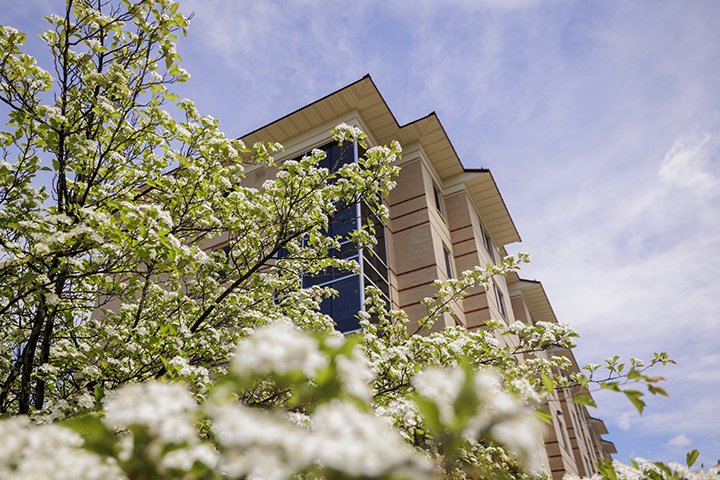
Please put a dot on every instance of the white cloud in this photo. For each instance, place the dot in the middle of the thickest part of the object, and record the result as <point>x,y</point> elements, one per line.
<point>686,165</point>
<point>471,5</point>
<point>624,421</point>
<point>681,440</point>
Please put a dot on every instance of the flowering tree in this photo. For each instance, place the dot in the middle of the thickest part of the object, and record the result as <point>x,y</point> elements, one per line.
<point>120,329</point>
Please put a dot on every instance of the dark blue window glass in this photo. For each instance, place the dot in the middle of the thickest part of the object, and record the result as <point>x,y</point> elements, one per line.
<point>345,306</point>
<point>325,276</point>
<point>337,155</point>
<point>343,222</point>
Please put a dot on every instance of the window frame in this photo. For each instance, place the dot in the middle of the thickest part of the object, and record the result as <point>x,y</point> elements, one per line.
<point>438,198</point>
<point>359,255</point>
<point>500,300</point>
<point>447,256</point>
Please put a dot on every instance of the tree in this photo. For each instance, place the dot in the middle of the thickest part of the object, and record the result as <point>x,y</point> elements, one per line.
<point>115,229</point>
<point>110,291</point>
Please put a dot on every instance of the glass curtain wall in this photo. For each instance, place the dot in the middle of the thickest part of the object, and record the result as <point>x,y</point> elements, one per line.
<point>373,267</point>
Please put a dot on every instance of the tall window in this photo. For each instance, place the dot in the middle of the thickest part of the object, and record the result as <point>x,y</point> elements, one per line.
<point>487,241</point>
<point>373,264</point>
<point>438,198</point>
<point>448,263</point>
<point>500,298</point>
<point>564,439</point>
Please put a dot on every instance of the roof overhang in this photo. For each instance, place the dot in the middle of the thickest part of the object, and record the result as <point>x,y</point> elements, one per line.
<point>534,296</point>
<point>363,97</point>
<point>598,425</point>
<point>492,209</point>
<point>608,446</point>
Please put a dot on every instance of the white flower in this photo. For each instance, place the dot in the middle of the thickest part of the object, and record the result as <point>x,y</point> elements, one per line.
<point>340,437</point>
<point>85,401</point>
<point>347,132</point>
<point>381,150</point>
<point>184,458</point>
<point>355,374</point>
<point>48,451</point>
<point>279,348</point>
<point>8,31</point>
<point>260,443</point>
<point>526,390</point>
<point>166,409</point>
<point>355,442</point>
<point>442,386</point>
<point>522,435</point>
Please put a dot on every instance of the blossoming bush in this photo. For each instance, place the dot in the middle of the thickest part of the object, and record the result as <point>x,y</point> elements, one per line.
<point>323,422</point>
<point>131,349</point>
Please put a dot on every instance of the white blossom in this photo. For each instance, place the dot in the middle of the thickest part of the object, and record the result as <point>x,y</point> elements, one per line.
<point>355,373</point>
<point>279,348</point>
<point>184,458</point>
<point>354,441</point>
<point>48,451</point>
<point>166,409</point>
<point>348,132</point>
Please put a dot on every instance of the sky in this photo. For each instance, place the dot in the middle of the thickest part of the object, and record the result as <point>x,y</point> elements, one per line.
<point>600,121</point>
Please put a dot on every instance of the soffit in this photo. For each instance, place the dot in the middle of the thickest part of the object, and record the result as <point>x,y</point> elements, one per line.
<point>598,425</point>
<point>608,446</point>
<point>536,299</point>
<point>361,96</point>
<point>491,207</point>
<point>364,97</point>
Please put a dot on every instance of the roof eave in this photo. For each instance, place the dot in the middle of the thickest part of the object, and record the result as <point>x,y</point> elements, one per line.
<point>364,97</point>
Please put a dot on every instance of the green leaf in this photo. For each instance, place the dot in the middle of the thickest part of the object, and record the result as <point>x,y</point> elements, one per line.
<point>605,467</point>
<point>466,402</point>
<point>614,386</point>
<point>692,457</point>
<point>584,400</point>
<point>544,416</point>
<point>655,390</point>
<point>548,382</point>
<point>430,413</point>
<point>98,438</point>
<point>635,398</point>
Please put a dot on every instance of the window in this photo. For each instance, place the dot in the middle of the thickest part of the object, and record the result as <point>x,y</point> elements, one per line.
<point>346,305</point>
<point>564,440</point>
<point>487,241</point>
<point>448,263</point>
<point>500,298</point>
<point>438,198</point>
<point>373,262</point>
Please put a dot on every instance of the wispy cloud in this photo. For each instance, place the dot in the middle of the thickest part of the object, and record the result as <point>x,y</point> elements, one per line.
<point>686,165</point>
<point>679,441</point>
<point>624,421</point>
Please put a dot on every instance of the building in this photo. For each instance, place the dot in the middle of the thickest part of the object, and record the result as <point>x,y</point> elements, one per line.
<point>444,218</point>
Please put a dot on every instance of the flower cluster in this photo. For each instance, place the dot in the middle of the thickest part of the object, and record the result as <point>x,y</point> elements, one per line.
<point>327,377</point>
<point>37,452</point>
<point>343,131</point>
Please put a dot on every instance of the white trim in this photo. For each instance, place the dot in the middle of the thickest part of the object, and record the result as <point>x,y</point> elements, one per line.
<point>317,137</point>
<point>378,273</point>
<point>381,261</point>
<point>375,285</point>
<point>324,284</point>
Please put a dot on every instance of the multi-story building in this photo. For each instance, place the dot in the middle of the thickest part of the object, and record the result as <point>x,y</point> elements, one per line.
<point>444,218</point>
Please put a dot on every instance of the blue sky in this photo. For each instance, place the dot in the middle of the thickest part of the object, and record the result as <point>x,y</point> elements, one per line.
<point>599,120</point>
